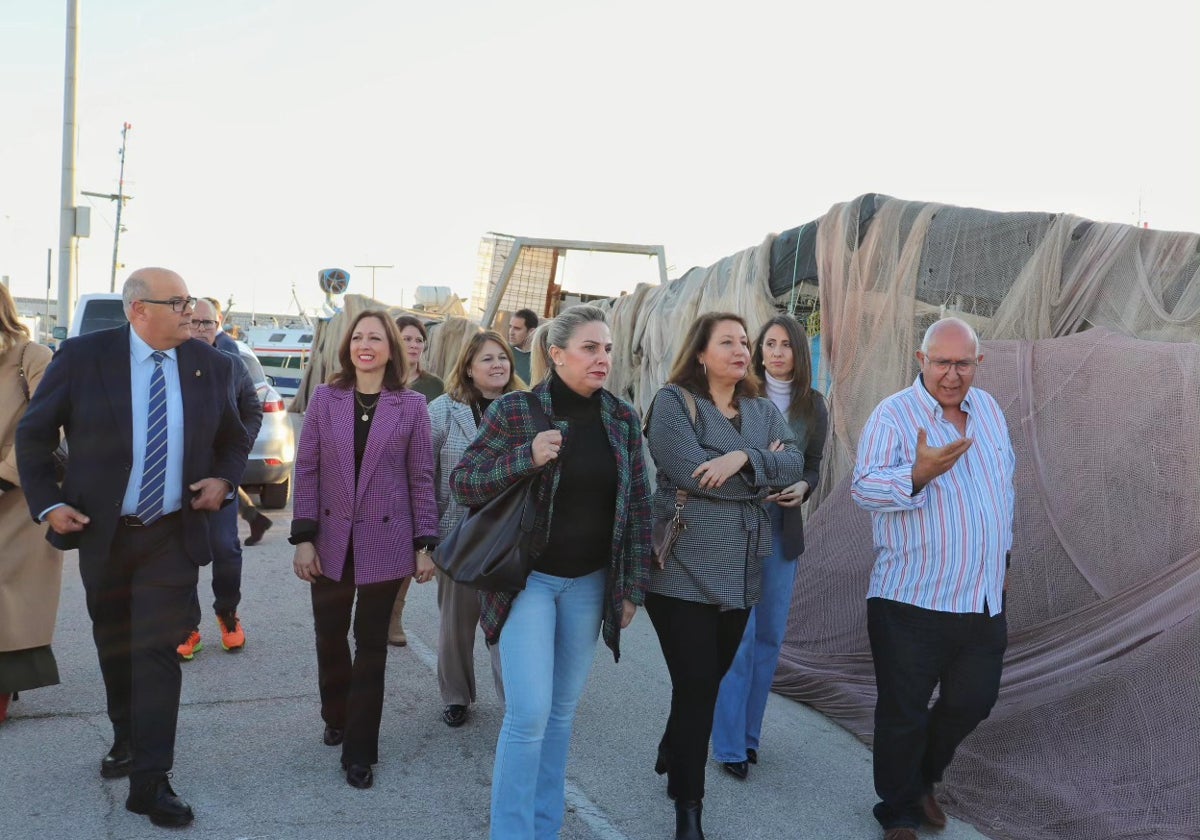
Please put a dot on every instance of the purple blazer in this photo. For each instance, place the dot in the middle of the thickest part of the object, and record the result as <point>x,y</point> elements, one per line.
<point>394,501</point>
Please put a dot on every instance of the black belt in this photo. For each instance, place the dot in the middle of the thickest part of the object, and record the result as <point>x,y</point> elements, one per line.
<point>131,521</point>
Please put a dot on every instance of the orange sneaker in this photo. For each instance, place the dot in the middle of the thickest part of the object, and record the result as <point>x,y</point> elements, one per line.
<point>187,650</point>
<point>232,636</point>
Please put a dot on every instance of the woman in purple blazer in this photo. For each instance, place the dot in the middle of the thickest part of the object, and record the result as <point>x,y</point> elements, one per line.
<point>365,519</point>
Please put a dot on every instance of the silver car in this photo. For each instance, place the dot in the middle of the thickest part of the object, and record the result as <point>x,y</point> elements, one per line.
<point>269,467</point>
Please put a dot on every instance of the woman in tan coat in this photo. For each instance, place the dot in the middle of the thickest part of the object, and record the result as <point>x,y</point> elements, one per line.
<point>30,568</point>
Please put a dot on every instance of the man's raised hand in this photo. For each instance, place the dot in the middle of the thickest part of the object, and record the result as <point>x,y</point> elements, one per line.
<point>932,461</point>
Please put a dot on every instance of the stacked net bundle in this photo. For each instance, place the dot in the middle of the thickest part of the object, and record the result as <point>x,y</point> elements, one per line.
<point>649,325</point>
<point>889,268</point>
<point>1096,732</point>
<point>446,340</point>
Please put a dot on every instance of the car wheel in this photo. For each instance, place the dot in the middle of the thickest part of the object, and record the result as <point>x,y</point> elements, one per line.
<point>275,496</point>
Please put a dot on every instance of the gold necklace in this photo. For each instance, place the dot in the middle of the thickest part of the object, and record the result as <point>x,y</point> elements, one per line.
<point>367,409</point>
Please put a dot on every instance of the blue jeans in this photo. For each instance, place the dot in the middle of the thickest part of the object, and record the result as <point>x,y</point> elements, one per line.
<point>546,649</point>
<point>227,559</point>
<point>742,701</point>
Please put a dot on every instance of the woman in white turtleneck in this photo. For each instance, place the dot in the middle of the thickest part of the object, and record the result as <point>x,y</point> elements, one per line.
<point>782,360</point>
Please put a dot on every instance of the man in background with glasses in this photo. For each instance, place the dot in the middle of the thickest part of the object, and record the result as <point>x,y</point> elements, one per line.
<point>223,528</point>
<point>157,447</point>
<point>935,469</point>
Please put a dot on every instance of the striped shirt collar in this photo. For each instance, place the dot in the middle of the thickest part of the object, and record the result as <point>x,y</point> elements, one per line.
<point>927,399</point>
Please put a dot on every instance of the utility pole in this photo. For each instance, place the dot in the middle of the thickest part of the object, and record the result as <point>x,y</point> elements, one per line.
<point>67,214</point>
<point>373,267</point>
<point>112,282</point>
<point>119,197</point>
<point>46,321</point>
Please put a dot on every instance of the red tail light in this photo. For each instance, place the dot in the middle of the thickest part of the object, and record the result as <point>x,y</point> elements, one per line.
<point>270,399</point>
<point>273,462</point>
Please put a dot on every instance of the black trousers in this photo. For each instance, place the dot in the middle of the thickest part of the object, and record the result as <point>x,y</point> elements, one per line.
<point>699,642</point>
<point>916,650</point>
<point>142,605</point>
<point>352,690</point>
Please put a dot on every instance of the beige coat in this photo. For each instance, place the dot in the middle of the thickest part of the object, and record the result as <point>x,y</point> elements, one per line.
<point>30,568</point>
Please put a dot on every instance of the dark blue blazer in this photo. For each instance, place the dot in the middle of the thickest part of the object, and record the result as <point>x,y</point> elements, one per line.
<point>86,392</point>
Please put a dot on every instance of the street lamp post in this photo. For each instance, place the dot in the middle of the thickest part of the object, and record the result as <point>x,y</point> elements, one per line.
<point>373,267</point>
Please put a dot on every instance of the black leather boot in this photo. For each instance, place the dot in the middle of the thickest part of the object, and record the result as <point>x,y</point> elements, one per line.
<point>687,820</point>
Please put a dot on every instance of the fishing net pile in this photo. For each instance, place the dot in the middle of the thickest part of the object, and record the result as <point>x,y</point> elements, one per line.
<point>1093,354</point>
<point>446,340</point>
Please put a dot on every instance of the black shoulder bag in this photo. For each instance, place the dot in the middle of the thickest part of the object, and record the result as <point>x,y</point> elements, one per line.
<point>489,548</point>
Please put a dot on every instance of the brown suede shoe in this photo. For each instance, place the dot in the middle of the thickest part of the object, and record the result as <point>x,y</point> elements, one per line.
<point>932,811</point>
<point>901,833</point>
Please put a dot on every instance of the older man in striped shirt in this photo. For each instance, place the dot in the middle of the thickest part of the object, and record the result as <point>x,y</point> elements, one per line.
<point>935,469</point>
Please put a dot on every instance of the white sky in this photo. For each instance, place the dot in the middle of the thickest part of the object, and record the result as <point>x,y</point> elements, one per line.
<point>272,139</point>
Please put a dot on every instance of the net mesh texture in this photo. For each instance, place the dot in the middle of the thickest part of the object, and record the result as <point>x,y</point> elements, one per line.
<point>1092,353</point>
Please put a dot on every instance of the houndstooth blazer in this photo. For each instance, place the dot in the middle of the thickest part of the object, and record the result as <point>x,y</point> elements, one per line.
<point>453,426</point>
<point>393,501</point>
<point>718,558</point>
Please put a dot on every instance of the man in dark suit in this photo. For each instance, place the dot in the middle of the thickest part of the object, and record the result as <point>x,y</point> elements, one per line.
<point>155,446</point>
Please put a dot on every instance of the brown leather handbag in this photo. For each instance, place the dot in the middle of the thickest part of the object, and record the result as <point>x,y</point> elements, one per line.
<point>666,532</point>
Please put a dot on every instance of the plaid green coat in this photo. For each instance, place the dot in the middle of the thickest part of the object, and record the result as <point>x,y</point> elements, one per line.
<point>503,453</point>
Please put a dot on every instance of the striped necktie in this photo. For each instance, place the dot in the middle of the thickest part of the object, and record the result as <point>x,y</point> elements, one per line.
<point>154,472</point>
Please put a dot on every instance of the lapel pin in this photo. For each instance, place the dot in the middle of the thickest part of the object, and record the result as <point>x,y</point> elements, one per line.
<point>197,373</point>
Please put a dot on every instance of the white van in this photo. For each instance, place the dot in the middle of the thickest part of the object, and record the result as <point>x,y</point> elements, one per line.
<point>99,311</point>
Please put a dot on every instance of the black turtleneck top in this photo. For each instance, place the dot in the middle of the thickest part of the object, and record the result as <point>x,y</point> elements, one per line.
<point>580,540</point>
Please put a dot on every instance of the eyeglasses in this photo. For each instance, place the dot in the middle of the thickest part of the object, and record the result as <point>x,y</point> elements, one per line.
<point>177,304</point>
<point>962,368</point>
<point>203,324</point>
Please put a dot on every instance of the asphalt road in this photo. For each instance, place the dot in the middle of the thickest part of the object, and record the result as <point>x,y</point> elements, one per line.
<point>250,760</point>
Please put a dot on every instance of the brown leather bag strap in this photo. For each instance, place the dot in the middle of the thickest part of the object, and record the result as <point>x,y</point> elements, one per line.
<point>21,371</point>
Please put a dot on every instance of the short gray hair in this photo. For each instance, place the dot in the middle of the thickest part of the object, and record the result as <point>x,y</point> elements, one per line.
<point>135,288</point>
<point>570,320</point>
<point>937,326</point>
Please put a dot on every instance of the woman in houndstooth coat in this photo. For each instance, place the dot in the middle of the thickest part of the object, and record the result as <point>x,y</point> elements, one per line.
<point>484,371</point>
<point>712,436</point>
<point>365,519</point>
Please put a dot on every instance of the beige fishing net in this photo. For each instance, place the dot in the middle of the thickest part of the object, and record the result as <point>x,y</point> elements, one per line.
<point>1097,730</point>
<point>446,341</point>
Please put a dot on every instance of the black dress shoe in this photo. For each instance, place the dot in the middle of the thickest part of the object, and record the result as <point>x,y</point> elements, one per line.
<point>257,528</point>
<point>333,736</point>
<point>454,715</point>
<point>752,755</point>
<point>360,776</point>
<point>687,820</point>
<point>118,762</point>
<point>159,802</point>
<point>738,769</point>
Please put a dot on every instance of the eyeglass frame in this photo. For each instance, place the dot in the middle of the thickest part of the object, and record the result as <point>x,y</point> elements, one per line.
<point>176,304</point>
<point>961,366</point>
<point>204,323</point>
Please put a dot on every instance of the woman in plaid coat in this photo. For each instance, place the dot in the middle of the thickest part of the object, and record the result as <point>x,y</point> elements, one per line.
<point>365,519</point>
<point>591,560</point>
